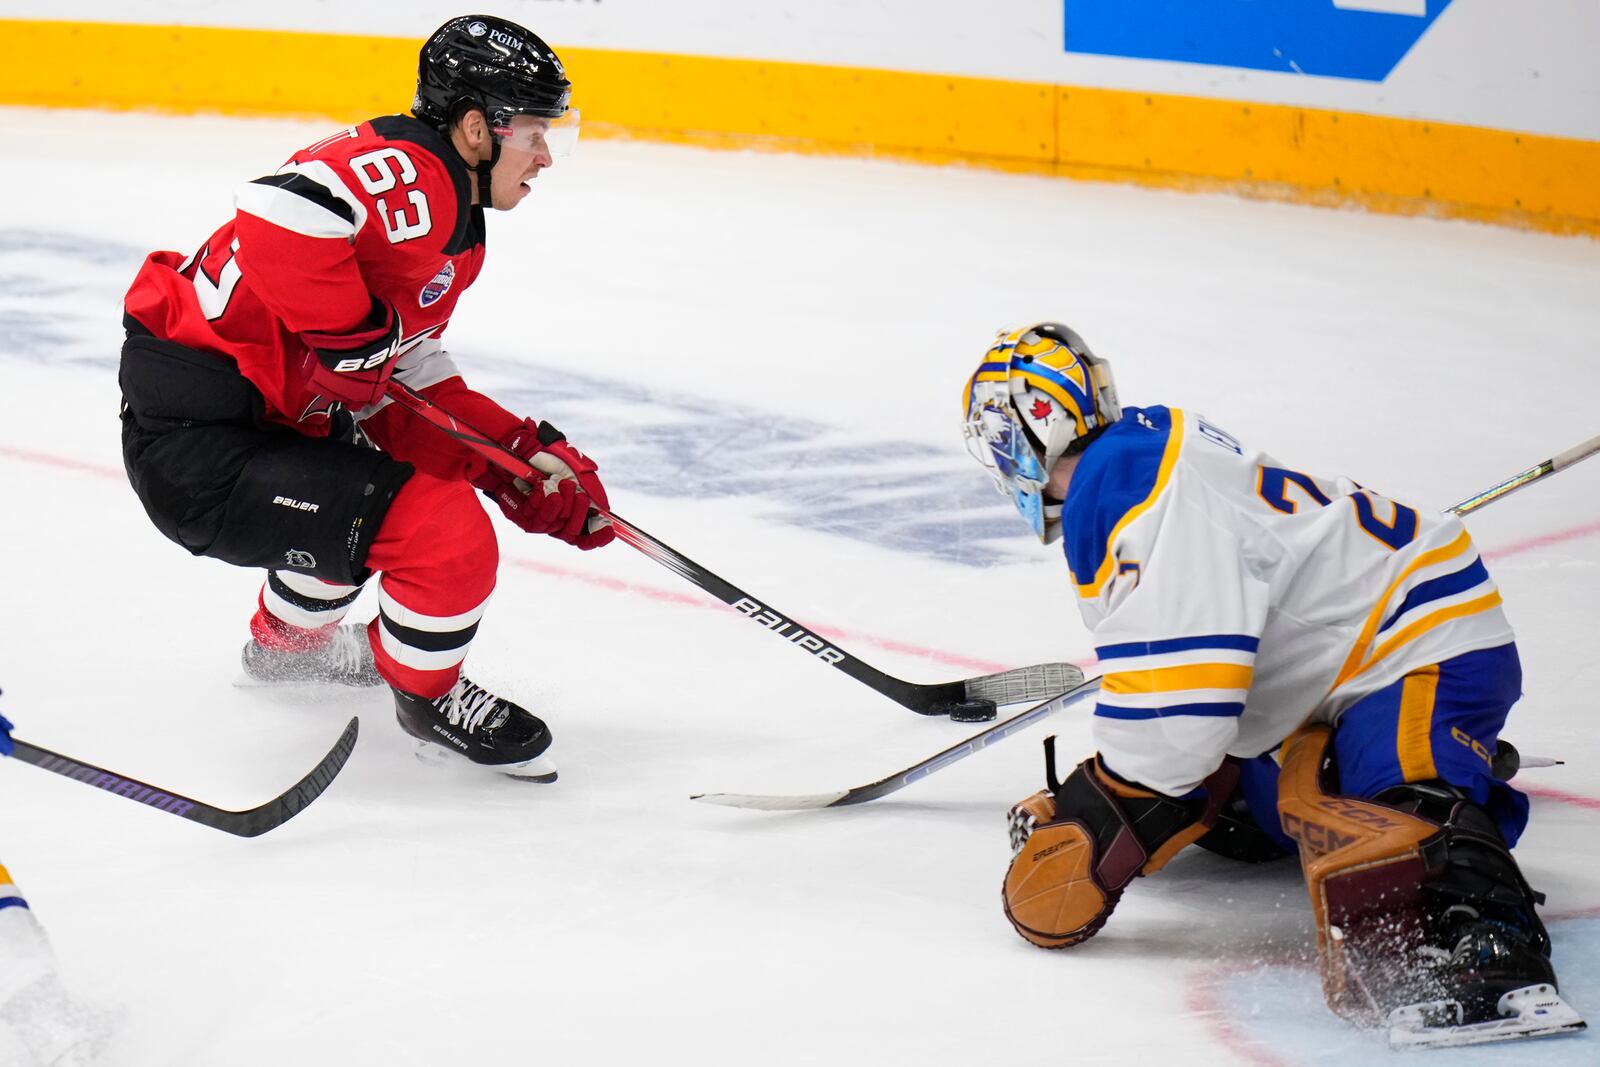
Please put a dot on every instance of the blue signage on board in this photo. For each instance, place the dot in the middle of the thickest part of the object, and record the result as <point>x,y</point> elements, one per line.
<point>1361,39</point>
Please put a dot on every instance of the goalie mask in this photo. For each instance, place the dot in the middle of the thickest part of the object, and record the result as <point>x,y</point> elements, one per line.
<point>1039,394</point>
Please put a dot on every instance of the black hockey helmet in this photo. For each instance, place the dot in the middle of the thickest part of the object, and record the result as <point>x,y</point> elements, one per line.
<point>490,63</point>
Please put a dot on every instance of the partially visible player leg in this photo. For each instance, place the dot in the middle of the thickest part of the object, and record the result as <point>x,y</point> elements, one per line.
<point>40,1021</point>
<point>295,636</point>
<point>1247,826</point>
<point>438,555</point>
<point>1424,920</point>
<point>215,480</point>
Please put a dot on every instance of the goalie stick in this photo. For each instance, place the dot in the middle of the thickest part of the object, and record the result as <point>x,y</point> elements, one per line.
<point>1000,731</point>
<point>917,771</point>
<point>965,700</point>
<point>252,823</point>
<point>1528,477</point>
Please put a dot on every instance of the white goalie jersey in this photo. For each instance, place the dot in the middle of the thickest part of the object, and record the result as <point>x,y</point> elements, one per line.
<point>1231,599</point>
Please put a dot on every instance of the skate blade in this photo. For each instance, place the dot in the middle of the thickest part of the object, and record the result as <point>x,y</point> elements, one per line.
<point>1532,1011</point>
<point>541,769</point>
<point>245,681</point>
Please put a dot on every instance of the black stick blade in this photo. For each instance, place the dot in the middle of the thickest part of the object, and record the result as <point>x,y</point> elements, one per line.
<point>291,802</point>
<point>252,823</point>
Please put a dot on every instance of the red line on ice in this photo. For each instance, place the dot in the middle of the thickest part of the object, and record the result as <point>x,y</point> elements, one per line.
<point>1203,1000</point>
<point>1517,548</point>
<point>953,659</point>
<point>45,459</point>
<point>1561,795</point>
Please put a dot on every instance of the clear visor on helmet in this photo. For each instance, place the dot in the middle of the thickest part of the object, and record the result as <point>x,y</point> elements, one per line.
<point>537,135</point>
<point>997,441</point>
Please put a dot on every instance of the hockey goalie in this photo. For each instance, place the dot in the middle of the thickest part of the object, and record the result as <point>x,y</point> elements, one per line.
<point>1289,662</point>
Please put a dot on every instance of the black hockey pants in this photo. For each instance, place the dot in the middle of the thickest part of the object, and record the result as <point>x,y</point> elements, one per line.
<point>222,483</point>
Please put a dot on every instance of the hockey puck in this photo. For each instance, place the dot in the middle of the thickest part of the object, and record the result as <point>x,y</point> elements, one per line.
<point>973,711</point>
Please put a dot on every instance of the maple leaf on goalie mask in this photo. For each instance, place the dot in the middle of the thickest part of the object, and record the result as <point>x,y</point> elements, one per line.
<point>1041,409</point>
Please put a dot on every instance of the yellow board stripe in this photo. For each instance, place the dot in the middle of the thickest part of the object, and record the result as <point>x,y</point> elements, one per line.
<point>1413,738</point>
<point>1177,679</point>
<point>1304,155</point>
<point>1353,663</point>
<point>1169,458</point>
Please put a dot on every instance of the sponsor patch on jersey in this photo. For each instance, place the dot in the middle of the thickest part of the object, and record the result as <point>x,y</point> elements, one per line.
<point>439,286</point>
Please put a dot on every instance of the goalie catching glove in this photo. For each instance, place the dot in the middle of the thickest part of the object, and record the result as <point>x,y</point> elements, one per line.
<point>1080,842</point>
<point>568,504</point>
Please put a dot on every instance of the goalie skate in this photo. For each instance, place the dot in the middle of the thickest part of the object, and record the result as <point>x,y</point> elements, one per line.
<point>1532,1011</point>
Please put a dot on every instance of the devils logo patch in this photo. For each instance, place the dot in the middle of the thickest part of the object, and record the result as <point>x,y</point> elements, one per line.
<point>439,286</point>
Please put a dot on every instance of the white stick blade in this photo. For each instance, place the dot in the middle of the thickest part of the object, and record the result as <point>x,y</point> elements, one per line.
<point>758,802</point>
<point>1025,685</point>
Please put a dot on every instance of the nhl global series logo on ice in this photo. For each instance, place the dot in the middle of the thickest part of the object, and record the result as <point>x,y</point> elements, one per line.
<point>438,286</point>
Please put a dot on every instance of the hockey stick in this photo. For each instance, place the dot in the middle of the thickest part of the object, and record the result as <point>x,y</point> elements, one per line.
<point>965,700</point>
<point>1529,476</point>
<point>252,823</point>
<point>900,779</point>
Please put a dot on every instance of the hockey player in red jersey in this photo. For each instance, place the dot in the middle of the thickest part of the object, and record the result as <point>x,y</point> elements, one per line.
<point>1240,608</point>
<point>254,377</point>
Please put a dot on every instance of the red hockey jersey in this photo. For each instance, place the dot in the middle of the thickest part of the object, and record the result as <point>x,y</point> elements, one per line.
<point>382,209</point>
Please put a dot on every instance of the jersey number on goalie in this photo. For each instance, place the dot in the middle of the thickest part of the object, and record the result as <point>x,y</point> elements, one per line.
<point>1274,483</point>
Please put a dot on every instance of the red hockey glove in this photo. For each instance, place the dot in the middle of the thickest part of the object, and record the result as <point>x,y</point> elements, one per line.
<point>352,367</point>
<point>560,505</point>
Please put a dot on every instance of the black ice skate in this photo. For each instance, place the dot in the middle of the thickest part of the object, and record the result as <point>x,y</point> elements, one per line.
<point>345,660</point>
<point>1483,965</point>
<point>474,723</point>
<point>1494,985</point>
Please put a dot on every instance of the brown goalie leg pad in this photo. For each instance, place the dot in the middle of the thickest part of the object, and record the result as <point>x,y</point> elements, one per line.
<point>1365,864</point>
<point>1080,847</point>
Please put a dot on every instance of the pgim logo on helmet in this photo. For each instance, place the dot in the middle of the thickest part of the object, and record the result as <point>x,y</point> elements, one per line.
<point>502,37</point>
<point>438,286</point>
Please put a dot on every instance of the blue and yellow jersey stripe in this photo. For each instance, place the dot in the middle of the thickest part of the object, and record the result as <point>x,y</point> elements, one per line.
<point>1173,679</point>
<point>1202,675</point>
<point>1425,605</point>
<point>10,896</point>
<point>1117,480</point>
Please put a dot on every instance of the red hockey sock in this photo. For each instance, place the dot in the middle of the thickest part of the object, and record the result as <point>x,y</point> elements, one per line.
<point>273,633</point>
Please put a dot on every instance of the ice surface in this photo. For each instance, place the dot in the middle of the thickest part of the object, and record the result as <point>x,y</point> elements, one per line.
<point>765,354</point>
